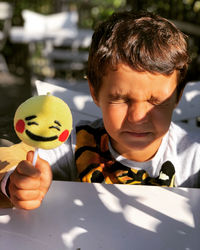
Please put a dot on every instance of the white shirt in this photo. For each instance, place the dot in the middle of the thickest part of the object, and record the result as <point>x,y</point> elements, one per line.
<point>178,146</point>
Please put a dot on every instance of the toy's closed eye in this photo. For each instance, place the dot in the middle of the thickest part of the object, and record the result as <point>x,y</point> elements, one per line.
<point>32,123</point>
<point>56,126</point>
<point>28,118</point>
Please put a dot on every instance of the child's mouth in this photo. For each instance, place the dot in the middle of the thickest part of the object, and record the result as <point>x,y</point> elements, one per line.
<point>138,134</point>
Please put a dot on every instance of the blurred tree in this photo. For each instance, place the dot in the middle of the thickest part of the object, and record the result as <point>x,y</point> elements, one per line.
<point>93,11</point>
<point>183,10</point>
<point>44,7</point>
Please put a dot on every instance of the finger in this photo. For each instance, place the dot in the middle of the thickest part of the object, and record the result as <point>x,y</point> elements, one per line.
<point>27,205</point>
<point>45,170</point>
<point>26,168</point>
<point>29,156</point>
<point>27,195</point>
<point>24,182</point>
<point>42,165</point>
<point>25,199</point>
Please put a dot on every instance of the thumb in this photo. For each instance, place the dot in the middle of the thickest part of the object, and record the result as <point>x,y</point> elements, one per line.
<point>45,171</point>
<point>29,156</point>
<point>40,163</point>
<point>33,157</point>
<point>46,175</point>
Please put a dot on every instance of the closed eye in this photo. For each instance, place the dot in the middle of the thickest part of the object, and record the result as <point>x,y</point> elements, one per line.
<point>154,101</point>
<point>28,118</point>
<point>32,123</point>
<point>31,117</point>
<point>118,98</point>
<point>57,122</point>
<point>159,103</point>
<point>118,101</point>
<point>55,127</point>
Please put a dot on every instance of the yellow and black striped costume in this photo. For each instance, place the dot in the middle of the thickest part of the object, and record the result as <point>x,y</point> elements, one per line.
<point>95,163</point>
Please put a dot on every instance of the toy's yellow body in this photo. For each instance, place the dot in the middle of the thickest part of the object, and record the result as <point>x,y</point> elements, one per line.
<point>43,121</point>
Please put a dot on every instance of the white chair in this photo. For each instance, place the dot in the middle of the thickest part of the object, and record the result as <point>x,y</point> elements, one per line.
<point>6,13</point>
<point>48,24</point>
<point>80,103</point>
<point>187,112</point>
<point>61,39</point>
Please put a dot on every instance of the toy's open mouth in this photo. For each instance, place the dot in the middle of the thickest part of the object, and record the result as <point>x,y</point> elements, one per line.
<point>40,138</point>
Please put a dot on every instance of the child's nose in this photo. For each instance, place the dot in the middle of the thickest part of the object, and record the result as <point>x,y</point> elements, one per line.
<point>138,112</point>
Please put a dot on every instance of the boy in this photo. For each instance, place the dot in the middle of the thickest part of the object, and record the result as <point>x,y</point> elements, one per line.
<point>137,63</point>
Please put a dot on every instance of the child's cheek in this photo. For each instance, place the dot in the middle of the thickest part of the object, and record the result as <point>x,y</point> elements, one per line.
<point>20,126</point>
<point>64,135</point>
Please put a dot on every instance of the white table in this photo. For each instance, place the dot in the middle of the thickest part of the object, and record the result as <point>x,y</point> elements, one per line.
<point>115,217</point>
<point>80,103</point>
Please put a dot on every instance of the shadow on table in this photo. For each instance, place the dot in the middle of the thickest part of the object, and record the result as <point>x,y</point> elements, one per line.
<point>114,218</point>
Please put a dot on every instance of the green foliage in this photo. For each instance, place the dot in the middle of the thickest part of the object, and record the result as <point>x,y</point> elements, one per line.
<point>44,7</point>
<point>93,11</point>
<point>183,10</point>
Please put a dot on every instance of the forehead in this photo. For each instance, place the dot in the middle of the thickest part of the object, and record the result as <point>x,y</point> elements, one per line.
<point>126,80</point>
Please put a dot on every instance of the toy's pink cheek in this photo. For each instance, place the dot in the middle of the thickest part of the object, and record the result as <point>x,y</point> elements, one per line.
<point>20,126</point>
<point>63,137</point>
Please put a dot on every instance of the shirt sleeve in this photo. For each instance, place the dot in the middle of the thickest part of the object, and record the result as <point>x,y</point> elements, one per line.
<point>4,181</point>
<point>10,157</point>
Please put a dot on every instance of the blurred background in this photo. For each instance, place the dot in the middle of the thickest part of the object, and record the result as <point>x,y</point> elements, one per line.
<point>49,40</point>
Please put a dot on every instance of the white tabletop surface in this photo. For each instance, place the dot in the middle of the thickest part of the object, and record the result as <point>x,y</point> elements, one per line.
<point>82,216</point>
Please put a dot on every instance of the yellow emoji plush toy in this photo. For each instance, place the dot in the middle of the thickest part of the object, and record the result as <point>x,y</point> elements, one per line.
<point>43,121</point>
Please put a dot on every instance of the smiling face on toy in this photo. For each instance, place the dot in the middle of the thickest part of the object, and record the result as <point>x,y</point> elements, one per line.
<point>43,121</point>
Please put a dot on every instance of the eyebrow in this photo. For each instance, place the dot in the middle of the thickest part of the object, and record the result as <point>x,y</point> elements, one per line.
<point>57,122</point>
<point>28,118</point>
<point>117,95</point>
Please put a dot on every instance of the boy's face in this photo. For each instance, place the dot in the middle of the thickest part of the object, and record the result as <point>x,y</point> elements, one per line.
<point>137,109</point>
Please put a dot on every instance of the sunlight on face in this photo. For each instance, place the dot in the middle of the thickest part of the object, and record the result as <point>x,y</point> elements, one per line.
<point>137,109</point>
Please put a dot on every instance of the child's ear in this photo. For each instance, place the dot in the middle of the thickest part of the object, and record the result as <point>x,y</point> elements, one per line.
<point>93,94</point>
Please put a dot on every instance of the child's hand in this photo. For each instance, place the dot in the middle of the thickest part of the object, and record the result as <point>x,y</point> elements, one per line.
<point>28,185</point>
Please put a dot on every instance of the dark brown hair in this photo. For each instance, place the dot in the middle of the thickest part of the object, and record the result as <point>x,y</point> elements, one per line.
<point>144,41</point>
